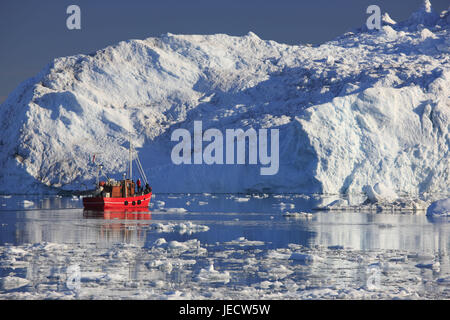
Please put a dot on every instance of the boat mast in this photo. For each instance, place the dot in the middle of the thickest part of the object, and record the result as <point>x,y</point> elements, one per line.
<point>131,157</point>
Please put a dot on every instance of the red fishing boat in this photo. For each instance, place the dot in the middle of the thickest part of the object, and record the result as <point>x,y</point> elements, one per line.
<point>120,195</point>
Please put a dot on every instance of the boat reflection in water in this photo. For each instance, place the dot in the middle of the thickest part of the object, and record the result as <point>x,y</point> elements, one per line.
<point>138,214</point>
<point>129,226</point>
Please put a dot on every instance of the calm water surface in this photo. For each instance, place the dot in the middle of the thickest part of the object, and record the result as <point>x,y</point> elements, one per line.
<point>231,217</point>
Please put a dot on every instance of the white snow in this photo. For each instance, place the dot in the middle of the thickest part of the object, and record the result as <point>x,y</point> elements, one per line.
<point>364,108</point>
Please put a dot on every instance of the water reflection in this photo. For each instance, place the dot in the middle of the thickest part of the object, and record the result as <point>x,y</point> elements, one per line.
<point>141,214</point>
<point>77,227</point>
<point>365,231</point>
<point>358,231</point>
<point>119,225</point>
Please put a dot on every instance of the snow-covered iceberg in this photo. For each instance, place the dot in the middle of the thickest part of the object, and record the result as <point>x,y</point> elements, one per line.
<point>368,107</point>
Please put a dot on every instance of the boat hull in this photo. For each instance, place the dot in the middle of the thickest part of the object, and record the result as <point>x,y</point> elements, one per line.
<point>128,203</point>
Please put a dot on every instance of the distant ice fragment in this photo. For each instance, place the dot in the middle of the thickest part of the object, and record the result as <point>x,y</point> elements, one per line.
<point>182,228</point>
<point>380,192</point>
<point>304,258</point>
<point>211,275</point>
<point>176,210</point>
<point>439,208</point>
<point>12,282</point>
<point>27,203</point>
<point>300,214</point>
<point>242,241</point>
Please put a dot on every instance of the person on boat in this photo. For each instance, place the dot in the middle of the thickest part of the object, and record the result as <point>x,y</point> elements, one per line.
<point>138,182</point>
<point>147,189</point>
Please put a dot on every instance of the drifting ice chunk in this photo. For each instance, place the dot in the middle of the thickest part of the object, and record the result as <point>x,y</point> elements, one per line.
<point>380,192</point>
<point>160,203</point>
<point>282,205</point>
<point>181,228</point>
<point>11,282</point>
<point>277,254</point>
<point>337,204</point>
<point>160,242</point>
<point>193,244</point>
<point>176,210</point>
<point>279,272</point>
<point>439,208</point>
<point>303,258</point>
<point>241,241</point>
<point>297,214</point>
<point>211,275</point>
<point>27,203</point>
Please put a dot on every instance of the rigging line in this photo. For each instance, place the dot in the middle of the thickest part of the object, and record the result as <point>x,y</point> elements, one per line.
<point>139,166</point>
<point>138,163</point>
<point>141,170</point>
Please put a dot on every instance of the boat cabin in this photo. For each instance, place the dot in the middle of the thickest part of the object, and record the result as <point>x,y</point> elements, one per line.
<point>117,189</point>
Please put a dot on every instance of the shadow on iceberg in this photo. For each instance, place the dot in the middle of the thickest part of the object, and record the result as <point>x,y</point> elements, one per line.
<point>296,174</point>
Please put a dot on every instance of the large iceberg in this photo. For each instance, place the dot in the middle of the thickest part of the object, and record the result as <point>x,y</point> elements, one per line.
<point>368,108</point>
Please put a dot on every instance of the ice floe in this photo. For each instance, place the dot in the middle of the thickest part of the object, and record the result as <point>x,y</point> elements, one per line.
<point>439,208</point>
<point>186,227</point>
<point>211,275</point>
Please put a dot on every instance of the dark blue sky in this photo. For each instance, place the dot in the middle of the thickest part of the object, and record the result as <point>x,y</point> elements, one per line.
<point>33,32</point>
